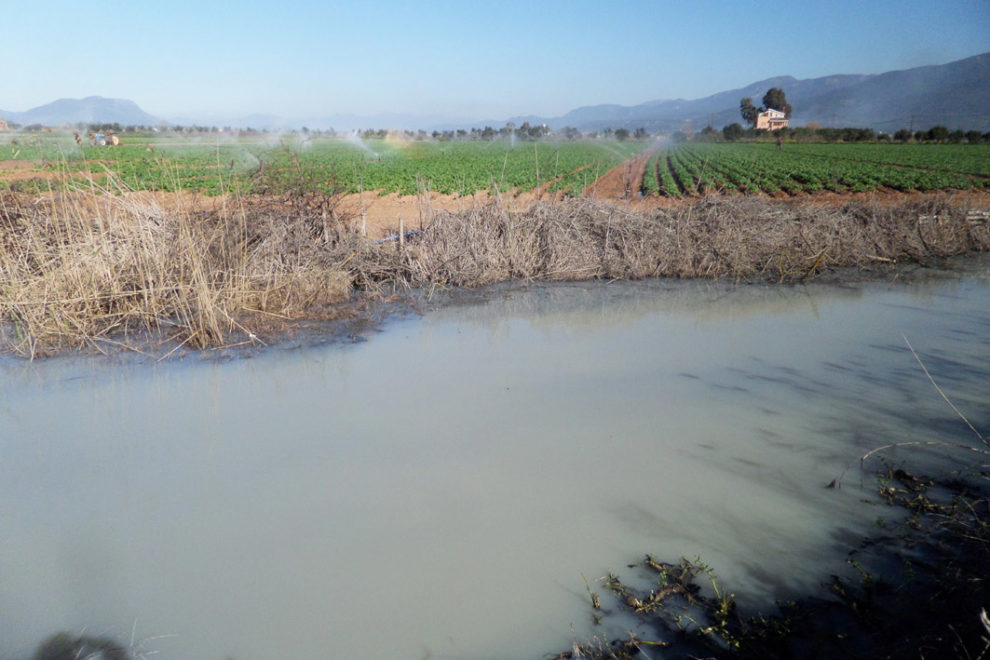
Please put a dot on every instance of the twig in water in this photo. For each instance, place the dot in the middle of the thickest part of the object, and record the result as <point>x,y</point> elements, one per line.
<point>939,390</point>
<point>837,482</point>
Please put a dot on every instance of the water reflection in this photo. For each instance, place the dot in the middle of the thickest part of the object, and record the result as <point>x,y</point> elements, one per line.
<point>441,489</point>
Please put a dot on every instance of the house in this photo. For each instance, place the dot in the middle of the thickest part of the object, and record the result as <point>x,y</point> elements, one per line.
<point>771,120</point>
<point>3,124</point>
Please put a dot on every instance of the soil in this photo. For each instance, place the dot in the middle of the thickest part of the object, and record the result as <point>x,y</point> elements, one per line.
<point>21,170</point>
<point>380,214</point>
<point>622,181</point>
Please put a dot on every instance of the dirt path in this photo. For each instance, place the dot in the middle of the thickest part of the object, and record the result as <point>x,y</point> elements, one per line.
<point>622,181</point>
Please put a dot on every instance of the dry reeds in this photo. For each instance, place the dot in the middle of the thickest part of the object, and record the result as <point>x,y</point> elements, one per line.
<point>89,268</point>
<point>738,238</point>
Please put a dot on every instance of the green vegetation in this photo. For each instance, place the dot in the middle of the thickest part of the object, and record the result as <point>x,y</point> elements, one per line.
<point>751,167</point>
<point>776,98</point>
<point>214,164</point>
<point>748,111</point>
<point>651,178</point>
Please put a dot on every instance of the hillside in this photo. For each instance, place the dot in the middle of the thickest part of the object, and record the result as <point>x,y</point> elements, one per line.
<point>956,95</point>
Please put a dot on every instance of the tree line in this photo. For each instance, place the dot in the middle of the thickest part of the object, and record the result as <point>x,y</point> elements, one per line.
<point>775,98</point>
<point>816,133</point>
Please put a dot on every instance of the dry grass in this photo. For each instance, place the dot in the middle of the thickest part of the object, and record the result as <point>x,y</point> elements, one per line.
<point>738,238</point>
<point>97,267</point>
<point>91,269</point>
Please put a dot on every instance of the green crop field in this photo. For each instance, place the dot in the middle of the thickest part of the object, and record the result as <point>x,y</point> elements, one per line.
<point>211,165</point>
<point>750,168</point>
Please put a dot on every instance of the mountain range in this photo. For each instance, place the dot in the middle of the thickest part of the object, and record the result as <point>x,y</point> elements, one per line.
<point>956,95</point>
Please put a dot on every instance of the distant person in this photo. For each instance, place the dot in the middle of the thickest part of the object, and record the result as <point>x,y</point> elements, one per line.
<point>779,143</point>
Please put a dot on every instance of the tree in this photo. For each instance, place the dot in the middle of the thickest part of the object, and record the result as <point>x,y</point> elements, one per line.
<point>938,133</point>
<point>621,134</point>
<point>733,131</point>
<point>776,99</point>
<point>748,111</point>
<point>571,133</point>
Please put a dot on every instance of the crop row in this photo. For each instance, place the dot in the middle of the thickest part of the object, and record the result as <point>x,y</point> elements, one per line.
<point>752,168</point>
<point>343,165</point>
<point>956,158</point>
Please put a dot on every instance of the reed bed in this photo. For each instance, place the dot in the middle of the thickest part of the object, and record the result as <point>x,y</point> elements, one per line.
<point>746,239</point>
<point>98,268</point>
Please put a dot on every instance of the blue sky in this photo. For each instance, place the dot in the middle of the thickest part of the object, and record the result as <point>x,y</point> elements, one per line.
<point>473,60</point>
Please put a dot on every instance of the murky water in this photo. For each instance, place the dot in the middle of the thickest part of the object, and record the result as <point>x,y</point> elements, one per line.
<point>440,490</point>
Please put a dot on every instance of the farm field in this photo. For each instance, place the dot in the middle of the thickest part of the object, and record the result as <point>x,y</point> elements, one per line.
<point>259,165</point>
<point>394,182</point>
<point>760,168</point>
<point>403,167</point>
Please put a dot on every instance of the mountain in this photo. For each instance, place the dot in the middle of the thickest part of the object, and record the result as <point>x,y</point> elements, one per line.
<point>92,109</point>
<point>956,95</point>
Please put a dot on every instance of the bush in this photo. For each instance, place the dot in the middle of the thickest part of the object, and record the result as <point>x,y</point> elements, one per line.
<point>733,132</point>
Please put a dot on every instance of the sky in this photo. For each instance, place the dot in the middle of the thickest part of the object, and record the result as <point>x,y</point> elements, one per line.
<point>464,60</point>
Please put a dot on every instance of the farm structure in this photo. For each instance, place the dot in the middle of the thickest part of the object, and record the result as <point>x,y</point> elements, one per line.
<point>771,120</point>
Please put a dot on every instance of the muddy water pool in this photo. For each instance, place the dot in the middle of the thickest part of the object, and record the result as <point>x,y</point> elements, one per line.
<point>441,489</point>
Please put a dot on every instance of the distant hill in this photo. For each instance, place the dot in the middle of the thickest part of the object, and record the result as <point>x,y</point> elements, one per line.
<point>956,95</point>
<point>90,110</point>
